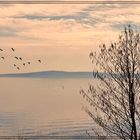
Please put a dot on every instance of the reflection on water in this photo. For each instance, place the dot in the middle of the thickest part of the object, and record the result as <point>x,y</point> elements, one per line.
<point>42,107</point>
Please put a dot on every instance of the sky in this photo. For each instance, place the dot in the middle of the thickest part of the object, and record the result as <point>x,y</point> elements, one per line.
<point>62,36</point>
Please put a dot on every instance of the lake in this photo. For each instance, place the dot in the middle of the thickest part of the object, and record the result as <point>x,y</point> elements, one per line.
<point>41,106</point>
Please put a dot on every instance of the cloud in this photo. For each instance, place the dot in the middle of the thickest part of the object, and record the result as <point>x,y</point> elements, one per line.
<point>5,32</point>
<point>58,10</point>
<point>83,17</point>
<point>35,22</point>
<point>63,31</point>
<point>54,25</point>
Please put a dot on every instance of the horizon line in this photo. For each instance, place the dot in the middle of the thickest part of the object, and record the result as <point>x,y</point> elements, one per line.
<point>67,2</point>
<point>46,71</point>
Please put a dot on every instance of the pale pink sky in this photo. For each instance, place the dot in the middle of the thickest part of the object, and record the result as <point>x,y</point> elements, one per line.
<point>62,36</point>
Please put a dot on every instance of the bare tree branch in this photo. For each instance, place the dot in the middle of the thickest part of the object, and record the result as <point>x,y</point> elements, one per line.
<point>115,100</point>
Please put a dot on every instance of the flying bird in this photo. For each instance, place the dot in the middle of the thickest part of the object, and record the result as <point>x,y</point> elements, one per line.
<point>13,49</point>
<point>39,61</point>
<point>18,68</point>
<point>20,58</point>
<point>16,57</point>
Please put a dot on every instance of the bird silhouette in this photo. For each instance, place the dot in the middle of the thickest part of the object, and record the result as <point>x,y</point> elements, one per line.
<point>20,58</point>
<point>18,68</point>
<point>13,49</point>
<point>39,61</point>
<point>16,57</point>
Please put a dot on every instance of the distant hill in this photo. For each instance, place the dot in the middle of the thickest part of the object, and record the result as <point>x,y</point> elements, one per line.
<point>51,74</point>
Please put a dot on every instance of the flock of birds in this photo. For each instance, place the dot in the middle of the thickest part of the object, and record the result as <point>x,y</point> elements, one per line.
<point>18,59</point>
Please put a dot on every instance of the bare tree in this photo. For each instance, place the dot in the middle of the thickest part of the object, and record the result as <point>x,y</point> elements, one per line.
<point>114,103</point>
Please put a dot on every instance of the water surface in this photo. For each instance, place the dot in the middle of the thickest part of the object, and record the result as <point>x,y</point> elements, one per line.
<point>41,106</point>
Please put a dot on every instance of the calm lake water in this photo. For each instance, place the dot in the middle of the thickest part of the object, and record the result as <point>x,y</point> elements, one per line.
<point>34,106</point>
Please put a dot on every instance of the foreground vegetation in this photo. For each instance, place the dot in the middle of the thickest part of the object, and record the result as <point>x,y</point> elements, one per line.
<point>115,103</point>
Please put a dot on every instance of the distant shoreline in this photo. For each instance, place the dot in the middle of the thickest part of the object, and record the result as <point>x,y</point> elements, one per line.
<point>50,74</point>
